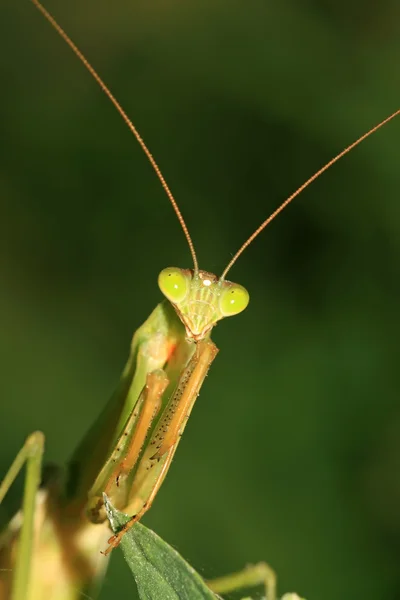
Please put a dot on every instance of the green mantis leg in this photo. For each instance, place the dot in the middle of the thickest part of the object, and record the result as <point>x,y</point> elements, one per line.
<point>250,576</point>
<point>166,436</point>
<point>31,453</point>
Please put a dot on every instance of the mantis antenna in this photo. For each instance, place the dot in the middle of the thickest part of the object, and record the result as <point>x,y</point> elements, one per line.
<point>302,187</point>
<point>156,168</point>
<point>128,122</point>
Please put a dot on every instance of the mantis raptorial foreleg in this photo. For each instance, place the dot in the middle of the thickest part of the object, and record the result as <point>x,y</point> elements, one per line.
<point>31,453</point>
<point>164,440</point>
<point>127,448</point>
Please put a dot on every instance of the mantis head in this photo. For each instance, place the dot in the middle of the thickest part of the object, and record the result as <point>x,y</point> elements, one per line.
<point>201,298</point>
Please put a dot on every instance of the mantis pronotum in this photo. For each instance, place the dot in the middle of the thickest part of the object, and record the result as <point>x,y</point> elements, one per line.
<point>132,449</point>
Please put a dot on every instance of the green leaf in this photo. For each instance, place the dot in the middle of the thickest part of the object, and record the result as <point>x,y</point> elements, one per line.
<point>158,569</point>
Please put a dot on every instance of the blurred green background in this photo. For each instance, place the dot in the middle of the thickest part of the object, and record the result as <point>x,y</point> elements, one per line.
<point>292,454</point>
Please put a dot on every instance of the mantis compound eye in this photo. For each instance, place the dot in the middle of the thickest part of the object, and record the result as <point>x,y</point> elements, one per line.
<point>233,300</point>
<point>174,284</point>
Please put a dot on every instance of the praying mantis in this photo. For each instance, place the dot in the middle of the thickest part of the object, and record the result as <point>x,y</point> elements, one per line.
<point>129,452</point>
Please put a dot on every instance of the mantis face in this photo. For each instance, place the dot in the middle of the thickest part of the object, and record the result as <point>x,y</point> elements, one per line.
<point>201,298</point>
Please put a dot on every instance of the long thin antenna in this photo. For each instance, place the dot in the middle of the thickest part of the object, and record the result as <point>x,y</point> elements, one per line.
<point>302,187</point>
<point>127,120</point>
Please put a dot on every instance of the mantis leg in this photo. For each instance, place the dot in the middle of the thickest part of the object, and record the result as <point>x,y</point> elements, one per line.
<point>167,434</point>
<point>31,453</point>
<point>250,576</point>
<point>128,447</point>
<point>115,540</point>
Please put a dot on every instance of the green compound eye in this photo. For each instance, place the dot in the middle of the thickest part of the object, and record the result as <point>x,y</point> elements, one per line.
<point>233,300</point>
<point>173,284</point>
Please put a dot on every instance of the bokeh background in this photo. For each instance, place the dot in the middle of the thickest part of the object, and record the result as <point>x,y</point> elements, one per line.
<point>292,453</point>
